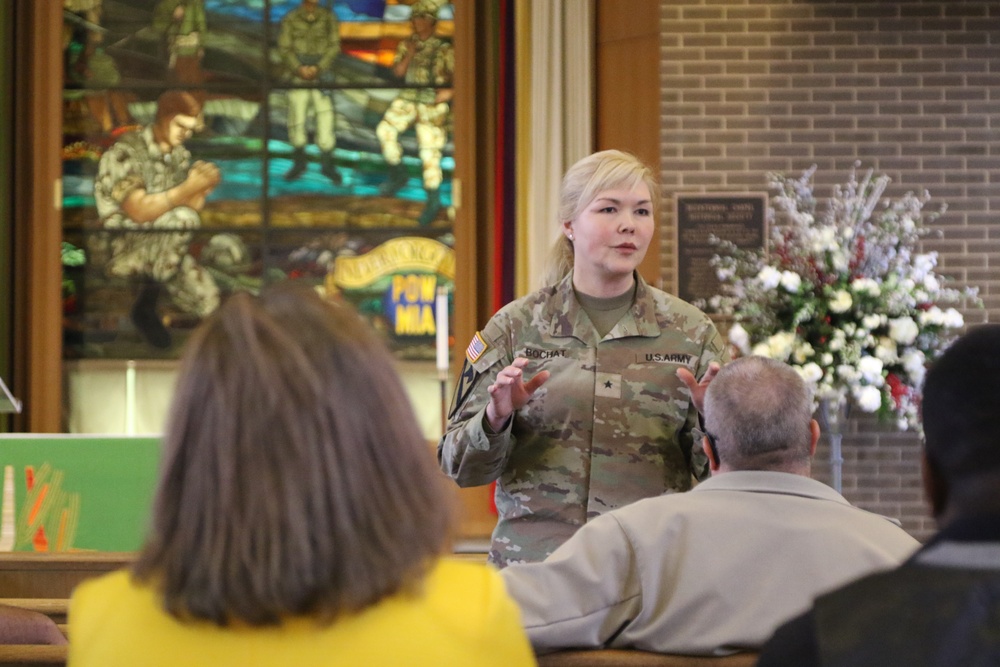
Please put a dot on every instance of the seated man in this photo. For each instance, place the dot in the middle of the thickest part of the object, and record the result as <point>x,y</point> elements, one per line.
<point>942,607</point>
<point>717,569</point>
<point>21,626</point>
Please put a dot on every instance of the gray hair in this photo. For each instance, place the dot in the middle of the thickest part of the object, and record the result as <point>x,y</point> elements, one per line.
<point>759,412</point>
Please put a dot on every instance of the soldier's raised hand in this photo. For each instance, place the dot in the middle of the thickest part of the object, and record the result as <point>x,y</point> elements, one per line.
<point>510,392</point>
<point>698,387</point>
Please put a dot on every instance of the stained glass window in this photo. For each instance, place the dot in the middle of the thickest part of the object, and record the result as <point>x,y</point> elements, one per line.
<point>212,146</point>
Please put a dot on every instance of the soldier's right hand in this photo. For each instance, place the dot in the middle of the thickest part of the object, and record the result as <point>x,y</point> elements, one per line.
<point>204,175</point>
<point>509,392</point>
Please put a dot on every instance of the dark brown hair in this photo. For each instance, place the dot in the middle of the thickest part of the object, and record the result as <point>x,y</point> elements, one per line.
<point>178,102</point>
<point>295,478</point>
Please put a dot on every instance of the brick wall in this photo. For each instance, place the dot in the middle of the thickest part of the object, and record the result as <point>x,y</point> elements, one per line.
<point>911,88</point>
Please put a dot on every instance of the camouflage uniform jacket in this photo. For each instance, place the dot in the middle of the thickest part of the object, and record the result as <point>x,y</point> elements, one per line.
<point>308,39</point>
<point>432,65</point>
<point>192,23</point>
<point>135,162</point>
<point>610,426</point>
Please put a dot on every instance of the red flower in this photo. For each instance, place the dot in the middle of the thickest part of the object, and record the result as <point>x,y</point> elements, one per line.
<point>896,388</point>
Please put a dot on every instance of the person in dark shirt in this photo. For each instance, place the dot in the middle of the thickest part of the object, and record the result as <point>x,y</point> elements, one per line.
<point>941,608</point>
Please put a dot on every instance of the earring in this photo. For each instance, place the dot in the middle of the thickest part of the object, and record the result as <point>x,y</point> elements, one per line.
<point>571,238</point>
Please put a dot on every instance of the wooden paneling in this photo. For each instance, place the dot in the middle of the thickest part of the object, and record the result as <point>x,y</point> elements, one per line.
<point>627,91</point>
<point>53,575</point>
<point>37,222</point>
<point>475,126</point>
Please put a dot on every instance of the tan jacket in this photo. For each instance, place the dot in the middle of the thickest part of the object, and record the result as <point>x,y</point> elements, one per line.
<point>706,572</point>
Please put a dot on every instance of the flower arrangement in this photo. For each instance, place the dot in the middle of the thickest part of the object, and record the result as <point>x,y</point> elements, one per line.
<point>843,294</point>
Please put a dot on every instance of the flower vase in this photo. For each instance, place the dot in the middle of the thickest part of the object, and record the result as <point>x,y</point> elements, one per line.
<point>833,421</point>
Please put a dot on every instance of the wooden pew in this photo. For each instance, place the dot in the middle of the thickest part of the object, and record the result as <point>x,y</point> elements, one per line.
<point>43,582</point>
<point>12,655</point>
<point>53,575</point>
<point>626,658</point>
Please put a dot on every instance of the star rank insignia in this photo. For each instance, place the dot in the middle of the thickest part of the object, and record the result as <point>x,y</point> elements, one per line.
<point>609,385</point>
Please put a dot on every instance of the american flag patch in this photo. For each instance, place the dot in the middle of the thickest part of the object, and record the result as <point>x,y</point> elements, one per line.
<point>476,348</point>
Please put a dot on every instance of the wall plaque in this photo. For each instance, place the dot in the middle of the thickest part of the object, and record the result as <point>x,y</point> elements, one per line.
<point>737,217</point>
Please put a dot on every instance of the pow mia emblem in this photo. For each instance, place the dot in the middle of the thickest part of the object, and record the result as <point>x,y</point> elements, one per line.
<point>608,385</point>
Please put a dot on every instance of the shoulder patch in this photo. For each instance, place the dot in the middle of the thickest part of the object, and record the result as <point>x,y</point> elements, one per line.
<point>466,381</point>
<point>476,348</point>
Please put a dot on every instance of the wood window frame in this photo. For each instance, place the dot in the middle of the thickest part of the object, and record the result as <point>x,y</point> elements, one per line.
<point>36,220</point>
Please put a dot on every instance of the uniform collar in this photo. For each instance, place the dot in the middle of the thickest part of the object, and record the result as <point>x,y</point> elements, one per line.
<point>567,318</point>
<point>769,481</point>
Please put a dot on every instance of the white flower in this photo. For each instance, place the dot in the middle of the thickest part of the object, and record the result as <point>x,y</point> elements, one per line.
<point>810,373</point>
<point>914,364</point>
<point>924,263</point>
<point>903,330</point>
<point>933,316</point>
<point>868,398</point>
<point>739,337</point>
<point>802,352</point>
<point>840,302</point>
<point>850,281</point>
<point>865,286</point>
<point>953,319</point>
<point>791,281</point>
<point>886,350</point>
<point>871,369</point>
<point>848,373</point>
<point>826,240</point>
<point>780,345</point>
<point>837,341</point>
<point>769,277</point>
<point>839,260</point>
<point>871,321</point>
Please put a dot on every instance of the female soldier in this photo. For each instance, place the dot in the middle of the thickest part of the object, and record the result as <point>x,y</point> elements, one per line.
<point>606,418</point>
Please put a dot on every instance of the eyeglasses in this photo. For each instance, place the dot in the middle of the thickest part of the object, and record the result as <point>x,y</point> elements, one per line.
<point>698,433</point>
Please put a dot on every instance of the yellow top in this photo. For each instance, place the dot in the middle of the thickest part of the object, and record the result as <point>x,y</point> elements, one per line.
<point>463,617</point>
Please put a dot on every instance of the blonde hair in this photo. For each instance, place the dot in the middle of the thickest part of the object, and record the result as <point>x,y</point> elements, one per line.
<point>604,170</point>
<point>295,479</point>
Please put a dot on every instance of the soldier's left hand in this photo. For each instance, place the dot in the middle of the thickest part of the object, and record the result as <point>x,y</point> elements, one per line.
<point>698,387</point>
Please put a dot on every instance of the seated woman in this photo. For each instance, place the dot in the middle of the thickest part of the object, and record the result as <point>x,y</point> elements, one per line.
<point>299,519</point>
